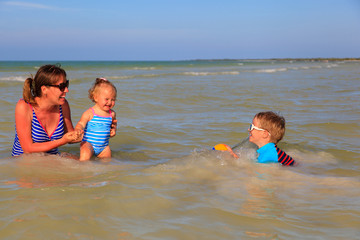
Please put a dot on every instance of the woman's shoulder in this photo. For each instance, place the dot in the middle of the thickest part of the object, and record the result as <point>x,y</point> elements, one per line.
<point>23,105</point>
<point>23,109</point>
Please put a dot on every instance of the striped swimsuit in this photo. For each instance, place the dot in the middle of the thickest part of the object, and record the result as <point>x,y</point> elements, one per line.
<point>97,132</point>
<point>39,134</point>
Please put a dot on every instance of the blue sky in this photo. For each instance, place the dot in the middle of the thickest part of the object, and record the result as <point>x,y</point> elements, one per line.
<point>178,29</point>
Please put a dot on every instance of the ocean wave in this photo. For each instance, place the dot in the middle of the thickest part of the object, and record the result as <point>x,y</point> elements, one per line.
<point>216,73</point>
<point>271,70</point>
<point>332,65</point>
<point>144,68</point>
<point>154,75</point>
<point>13,78</point>
<point>211,73</point>
<point>133,76</point>
<point>274,70</point>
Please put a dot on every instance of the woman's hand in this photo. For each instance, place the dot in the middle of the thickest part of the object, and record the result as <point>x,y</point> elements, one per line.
<point>74,136</point>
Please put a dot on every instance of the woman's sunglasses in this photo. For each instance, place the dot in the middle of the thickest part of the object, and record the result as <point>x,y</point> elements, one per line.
<point>61,86</point>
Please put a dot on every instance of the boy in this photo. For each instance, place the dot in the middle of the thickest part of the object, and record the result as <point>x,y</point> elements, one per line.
<point>266,130</point>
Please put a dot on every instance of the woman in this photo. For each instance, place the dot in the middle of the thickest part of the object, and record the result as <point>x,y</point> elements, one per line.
<point>42,117</point>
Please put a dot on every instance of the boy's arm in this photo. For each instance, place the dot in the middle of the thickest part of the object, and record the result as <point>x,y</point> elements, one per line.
<point>231,152</point>
<point>224,147</point>
<point>284,158</point>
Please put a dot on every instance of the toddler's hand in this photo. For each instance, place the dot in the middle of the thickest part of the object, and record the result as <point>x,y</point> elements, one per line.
<point>74,136</point>
<point>112,132</point>
<point>113,128</point>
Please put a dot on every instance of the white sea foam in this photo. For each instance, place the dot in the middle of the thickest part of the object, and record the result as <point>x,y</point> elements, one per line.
<point>271,70</point>
<point>316,67</point>
<point>332,65</point>
<point>144,68</point>
<point>154,75</point>
<point>211,73</point>
<point>134,76</point>
<point>13,78</point>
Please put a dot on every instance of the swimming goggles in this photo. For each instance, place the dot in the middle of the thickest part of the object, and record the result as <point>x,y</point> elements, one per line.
<point>252,127</point>
<point>61,86</point>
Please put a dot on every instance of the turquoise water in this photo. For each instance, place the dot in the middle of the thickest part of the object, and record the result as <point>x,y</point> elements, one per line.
<point>164,182</point>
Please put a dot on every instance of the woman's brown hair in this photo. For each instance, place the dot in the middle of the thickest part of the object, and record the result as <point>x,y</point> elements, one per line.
<point>47,74</point>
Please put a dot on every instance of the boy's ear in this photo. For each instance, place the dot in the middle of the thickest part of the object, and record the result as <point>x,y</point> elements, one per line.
<point>265,134</point>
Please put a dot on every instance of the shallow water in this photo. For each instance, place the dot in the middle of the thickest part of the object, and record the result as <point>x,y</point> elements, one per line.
<point>164,182</point>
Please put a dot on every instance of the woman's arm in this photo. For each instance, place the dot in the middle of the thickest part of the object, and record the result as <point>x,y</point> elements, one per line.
<point>69,128</point>
<point>67,117</point>
<point>23,118</point>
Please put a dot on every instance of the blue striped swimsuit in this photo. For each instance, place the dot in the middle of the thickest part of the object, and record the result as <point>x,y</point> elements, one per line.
<point>97,132</point>
<point>39,134</point>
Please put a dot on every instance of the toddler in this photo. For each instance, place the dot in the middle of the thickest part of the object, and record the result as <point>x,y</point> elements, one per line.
<point>97,121</point>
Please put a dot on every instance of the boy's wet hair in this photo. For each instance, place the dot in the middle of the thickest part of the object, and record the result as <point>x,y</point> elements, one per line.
<point>96,86</point>
<point>272,122</point>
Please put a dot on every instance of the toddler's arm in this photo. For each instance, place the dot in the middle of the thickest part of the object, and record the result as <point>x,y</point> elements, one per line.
<point>113,125</point>
<point>85,118</point>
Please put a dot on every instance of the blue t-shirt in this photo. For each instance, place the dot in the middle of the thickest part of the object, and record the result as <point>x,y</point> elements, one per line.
<point>267,154</point>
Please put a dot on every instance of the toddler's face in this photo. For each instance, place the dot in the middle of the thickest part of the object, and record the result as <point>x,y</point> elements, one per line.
<point>105,98</point>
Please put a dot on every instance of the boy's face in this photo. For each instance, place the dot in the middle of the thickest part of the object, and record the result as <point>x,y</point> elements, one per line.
<point>256,136</point>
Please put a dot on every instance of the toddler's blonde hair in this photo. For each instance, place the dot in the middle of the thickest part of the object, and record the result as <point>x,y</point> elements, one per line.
<point>99,82</point>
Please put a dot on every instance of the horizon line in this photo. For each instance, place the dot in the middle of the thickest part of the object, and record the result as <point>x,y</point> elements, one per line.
<point>197,59</point>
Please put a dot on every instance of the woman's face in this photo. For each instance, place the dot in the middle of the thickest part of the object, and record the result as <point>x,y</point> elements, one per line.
<point>54,93</point>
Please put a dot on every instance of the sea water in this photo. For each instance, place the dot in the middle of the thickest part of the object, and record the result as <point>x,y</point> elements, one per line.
<point>165,182</point>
